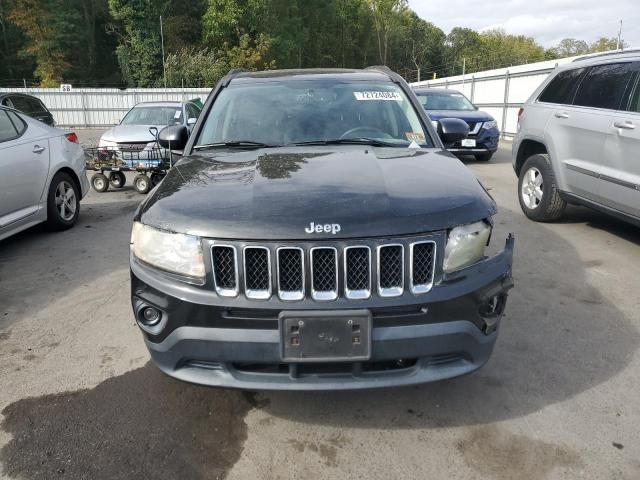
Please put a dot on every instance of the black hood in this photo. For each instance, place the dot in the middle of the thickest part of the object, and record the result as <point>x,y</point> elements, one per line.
<point>275,194</point>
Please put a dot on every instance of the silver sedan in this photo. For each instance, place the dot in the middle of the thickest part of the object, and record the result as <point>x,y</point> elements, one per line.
<point>42,174</point>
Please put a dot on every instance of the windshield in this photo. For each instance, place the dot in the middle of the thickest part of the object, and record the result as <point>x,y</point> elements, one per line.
<point>153,116</point>
<point>444,101</point>
<point>320,110</point>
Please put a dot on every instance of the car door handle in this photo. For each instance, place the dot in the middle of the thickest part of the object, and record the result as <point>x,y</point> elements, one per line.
<point>626,125</point>
<point>561,115</point>
<point>38,149</point>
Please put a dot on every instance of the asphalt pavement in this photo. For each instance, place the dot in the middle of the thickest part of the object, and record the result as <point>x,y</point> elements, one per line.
<point>559,398</point>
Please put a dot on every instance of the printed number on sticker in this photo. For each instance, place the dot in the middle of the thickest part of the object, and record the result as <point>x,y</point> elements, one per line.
<point>361,96</point>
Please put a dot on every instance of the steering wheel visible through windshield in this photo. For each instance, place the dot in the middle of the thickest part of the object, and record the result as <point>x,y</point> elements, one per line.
<point>293,111</point>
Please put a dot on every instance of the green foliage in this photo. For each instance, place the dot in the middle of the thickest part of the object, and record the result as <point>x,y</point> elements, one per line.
<point>204,68</point>
<point>104,41</point>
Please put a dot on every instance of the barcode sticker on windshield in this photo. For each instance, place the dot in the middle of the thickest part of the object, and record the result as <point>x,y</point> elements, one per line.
<point>361,96</point>
<point>177,114</point>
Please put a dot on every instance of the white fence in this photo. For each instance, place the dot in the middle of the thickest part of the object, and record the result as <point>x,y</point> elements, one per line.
<point>102,107</point>
<point>500,92</point>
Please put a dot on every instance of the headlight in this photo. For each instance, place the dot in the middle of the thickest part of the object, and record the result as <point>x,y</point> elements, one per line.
<point>465,246</point>
<point>173,252</point>
<point>489,125</point>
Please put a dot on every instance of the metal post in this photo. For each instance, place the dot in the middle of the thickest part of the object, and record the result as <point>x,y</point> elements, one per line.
<point>84,108</point>
<point>473,87</point>
<point>504,105</point>
<point>164,65</point>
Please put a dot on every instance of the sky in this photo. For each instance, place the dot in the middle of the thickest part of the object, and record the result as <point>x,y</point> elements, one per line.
<point>547,21</point>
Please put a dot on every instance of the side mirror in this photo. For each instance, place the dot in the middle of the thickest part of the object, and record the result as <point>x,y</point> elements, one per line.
<point>452,130</point>
<point>173,137</point>
<point>192,121</point>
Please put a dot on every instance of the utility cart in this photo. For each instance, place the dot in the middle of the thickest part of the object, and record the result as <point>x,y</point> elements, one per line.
<point>151,164</point>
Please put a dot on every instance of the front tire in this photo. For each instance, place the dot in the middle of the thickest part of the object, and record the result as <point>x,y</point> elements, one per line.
<point>63,202</point>
<point>538,191</point>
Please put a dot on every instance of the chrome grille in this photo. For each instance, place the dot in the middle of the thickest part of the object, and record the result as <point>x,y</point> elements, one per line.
<point>290,273</point>
<point>324,273</point>
<point>225,270</point>
<point>390,270</point>
<point>257,273</point>
<point>357,272</point>
<point>423,261</point>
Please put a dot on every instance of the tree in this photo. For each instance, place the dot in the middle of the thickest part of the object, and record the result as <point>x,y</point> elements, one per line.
<point>386,19</point>
<point>139,48</point>
<point>51,31</point>
<point>604,44</point>
<point>569,47</point>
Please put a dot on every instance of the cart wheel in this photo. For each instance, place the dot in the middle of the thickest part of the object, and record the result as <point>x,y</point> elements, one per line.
<point>117,179</point>
<point>142,183</point>
<point>156,178</point>
<point>99,182</point>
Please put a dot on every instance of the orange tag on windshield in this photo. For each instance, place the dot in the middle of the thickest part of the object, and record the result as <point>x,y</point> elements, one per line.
<point>414,136</point>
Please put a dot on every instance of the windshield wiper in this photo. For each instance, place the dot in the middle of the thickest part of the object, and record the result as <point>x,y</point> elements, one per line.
<point>235,143</point>
<point>350,141</point>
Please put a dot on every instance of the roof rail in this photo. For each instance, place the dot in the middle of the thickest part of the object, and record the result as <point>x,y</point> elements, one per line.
<point>232,73</point>
<point>380,68</point>
<point>605,54</point>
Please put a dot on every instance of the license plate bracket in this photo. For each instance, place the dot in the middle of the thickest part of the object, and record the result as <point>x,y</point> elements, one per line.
<point>325,336</point>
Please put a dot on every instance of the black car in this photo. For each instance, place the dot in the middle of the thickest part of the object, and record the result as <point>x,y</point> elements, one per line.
<point>316,235</point>
<point>28,105</point>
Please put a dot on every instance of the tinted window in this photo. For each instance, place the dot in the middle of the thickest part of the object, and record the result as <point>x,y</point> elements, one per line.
<point>634,102</point>
<point>23,104</point>
<point>18,123</point>
<point>604,86</point>
<point>6,102</point>
<point>7,130</point>
<point>562,88</point>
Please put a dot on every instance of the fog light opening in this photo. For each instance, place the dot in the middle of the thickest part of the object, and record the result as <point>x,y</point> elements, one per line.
<point>491,311</point>
<point>150,316</point>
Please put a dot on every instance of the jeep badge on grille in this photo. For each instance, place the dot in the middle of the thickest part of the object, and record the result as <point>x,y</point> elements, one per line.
<point>332,228</point>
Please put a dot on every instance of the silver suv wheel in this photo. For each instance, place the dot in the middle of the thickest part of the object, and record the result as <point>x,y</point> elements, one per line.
<point>531,190</point>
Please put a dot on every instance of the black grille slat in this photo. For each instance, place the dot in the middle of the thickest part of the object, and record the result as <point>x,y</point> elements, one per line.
<point>324,270</point>
<point>358,275</point>
<point>256,268</point>
<point>224,267</point>
<point>391,268</point>
<point>423,263</point>
<point>290,270</point>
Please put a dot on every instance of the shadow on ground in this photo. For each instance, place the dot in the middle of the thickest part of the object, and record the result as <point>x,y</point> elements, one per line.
<point>138,425</point>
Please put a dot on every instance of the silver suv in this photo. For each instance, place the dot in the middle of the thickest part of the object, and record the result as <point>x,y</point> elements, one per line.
<point>578,139</point>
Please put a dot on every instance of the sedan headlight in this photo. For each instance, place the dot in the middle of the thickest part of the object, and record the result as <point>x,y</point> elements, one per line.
<point>490,124</point>
<point>465,246</point>
<point>173,252</point>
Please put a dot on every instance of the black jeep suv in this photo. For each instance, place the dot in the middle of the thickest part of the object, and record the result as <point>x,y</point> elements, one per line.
<point>316,235</point>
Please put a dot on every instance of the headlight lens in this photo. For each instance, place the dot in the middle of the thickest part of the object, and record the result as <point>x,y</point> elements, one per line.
<point>465,246</point>
<point>173,252</point>
<point>489,125</point>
